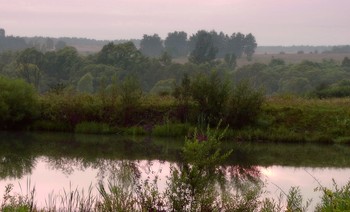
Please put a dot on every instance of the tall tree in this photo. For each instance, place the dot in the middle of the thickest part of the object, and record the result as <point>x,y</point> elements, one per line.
<point>236,44</point>
<point>249,45</point>
<point>204,49</point>
<point>29,65</point>
<point>124,55</point>
<point>221,43</point>
<point>85,84</point>
<point>2,33</point>
<point>151,45</point>
<point>176,44</point>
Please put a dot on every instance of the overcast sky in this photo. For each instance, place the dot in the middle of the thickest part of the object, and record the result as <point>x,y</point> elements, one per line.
<point>272,22</point>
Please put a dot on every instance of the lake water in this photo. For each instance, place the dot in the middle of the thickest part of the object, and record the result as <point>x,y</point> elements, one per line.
<point>55,163</point>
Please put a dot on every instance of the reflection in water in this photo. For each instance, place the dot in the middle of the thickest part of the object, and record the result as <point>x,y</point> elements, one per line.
<point>15,166</point>
<point>47,179</point>
<point>54,161</point>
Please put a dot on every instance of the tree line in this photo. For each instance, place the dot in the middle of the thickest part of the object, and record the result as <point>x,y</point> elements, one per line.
<point>202,45</point>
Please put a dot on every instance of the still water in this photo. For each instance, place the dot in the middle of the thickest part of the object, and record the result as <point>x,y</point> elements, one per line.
<point>55,163</point>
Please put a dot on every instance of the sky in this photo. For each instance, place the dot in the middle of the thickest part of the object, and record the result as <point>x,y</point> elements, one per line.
<point>272,22</point>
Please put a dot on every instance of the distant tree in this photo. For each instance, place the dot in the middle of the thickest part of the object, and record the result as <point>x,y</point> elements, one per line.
<point>165,58</point>
<point>30,73</point>
<point>29,64</point>
<point>60,45</point>
<point>204,49</point>
<point>346,62</point>
<point>151,45</point>
<point>231,60</point>
<point>85,84</point>
<point>236,44</point>
<point>221,43</point>
<point>163,87</point>
<point>124,55</point>
<point>12,43</point>
<point>66,62</point>
<point>2,33</point>
<point>249,45</point>
<point>176,44</point>
<point>277,62</point>
<point>49,44</point>
<point>31,55</point>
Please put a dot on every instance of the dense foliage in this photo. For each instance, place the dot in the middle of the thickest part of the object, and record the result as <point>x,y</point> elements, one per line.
<point>18,103</point>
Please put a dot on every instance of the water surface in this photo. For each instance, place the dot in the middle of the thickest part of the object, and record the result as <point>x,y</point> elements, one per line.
<point>55,163</point>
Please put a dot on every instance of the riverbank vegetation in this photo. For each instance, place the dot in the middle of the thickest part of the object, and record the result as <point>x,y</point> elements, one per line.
<point>199,101</point>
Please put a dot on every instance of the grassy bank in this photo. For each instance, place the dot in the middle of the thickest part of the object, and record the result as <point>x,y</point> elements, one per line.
<point>282,118</point>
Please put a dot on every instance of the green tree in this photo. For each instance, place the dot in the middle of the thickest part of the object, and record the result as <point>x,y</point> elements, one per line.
<point>151,45</point>
<point>211,93</point>
<point>236,44</point>
<point>244,105</point>
<point>85,84</point>
<point>67,61</point>
<point>231,61</point>
<point>221,43</point>
<point>49,44</point>
<point>18,103</point>
<point>130,92</point>
<point>249,45</point>
<point>30,73</point>
<point>165,59</point>
<point>2,33</point>
<point>176,44</point>
<point>60,45</point>
<point>29,65</point>
<point>124,55</point>
<point>204,49</point>
<point>346,63</point>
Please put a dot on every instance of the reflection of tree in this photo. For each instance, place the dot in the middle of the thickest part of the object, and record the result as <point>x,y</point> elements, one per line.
<point>67,165</point>
<point>242,177</point>
<point>242,173</point>
<point>15,166</point>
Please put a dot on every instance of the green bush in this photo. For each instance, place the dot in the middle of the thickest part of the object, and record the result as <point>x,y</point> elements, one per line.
<point>71,108</point>
<point>337,199</point>
<point>244,105</point>
<point>18,103</point>
<point>211,94</point>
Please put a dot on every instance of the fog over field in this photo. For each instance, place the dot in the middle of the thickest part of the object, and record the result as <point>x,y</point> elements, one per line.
<point>273,22</point>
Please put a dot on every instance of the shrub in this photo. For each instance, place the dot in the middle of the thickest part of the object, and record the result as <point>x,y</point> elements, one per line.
<point>244,105</point>
<point>211,94</point>
<point>335,200</point>
<point>18,103</point>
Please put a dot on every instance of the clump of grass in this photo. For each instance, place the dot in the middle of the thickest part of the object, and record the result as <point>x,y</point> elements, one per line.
<point>171,130</point>
<point>17,202</point>
<point>134,131</point>
<point>93,128</point>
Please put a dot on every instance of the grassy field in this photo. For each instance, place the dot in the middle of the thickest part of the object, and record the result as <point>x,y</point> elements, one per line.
<point>288,58</point>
